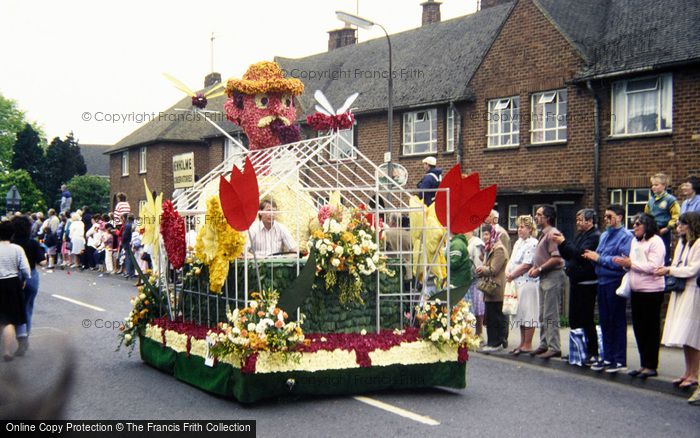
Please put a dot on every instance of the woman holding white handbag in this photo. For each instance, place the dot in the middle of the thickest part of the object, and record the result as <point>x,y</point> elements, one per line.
<point>525,287</point>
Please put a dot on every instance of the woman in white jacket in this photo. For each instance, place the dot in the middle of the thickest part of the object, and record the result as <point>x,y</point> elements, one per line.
<point>77,238</point>
<point>682,327</point>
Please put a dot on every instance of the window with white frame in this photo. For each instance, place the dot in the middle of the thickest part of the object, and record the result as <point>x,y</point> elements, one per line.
<point>450,129</point>
<point>342,146</point>
<point>231,149</point>
<point>632,200</point>
<point>641,106</point>
<point>504,122</point>
<point>548,121</point>
<point>512,217</point>
<point>420,132</point>
<point>125,163</point>
<point>142,159</point>
<point>142,205</point>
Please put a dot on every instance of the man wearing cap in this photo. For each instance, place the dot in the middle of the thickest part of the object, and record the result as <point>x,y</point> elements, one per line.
<point>262,103</point>
<point>431,180</point>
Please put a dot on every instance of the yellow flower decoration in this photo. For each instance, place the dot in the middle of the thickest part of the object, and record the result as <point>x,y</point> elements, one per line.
<point>150,218</point>
<point>218,244</point>
<point>433,236</point>
<point>265,77</point>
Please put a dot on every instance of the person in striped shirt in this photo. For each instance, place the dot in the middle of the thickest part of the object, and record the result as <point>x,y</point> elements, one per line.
<point>269,237</point>
<point>120,209</point>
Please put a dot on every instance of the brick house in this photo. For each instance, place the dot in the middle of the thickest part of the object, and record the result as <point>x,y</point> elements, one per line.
<point>570,103</point>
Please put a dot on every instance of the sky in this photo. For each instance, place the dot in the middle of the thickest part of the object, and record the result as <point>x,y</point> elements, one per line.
<point>67,61</point>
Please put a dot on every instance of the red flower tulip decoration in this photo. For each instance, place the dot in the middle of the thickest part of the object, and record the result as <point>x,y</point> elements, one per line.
<point>172,228</point>
<point>240,197</point>
<point>469,206</point>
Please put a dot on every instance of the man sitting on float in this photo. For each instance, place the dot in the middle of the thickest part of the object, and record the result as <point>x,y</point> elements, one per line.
<point>269,237</point>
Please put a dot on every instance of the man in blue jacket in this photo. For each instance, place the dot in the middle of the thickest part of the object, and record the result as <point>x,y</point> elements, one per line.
<point>614,242</point>
<point>431,180</point>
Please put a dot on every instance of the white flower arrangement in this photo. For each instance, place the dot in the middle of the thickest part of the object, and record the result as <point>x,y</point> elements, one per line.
<point>262,326</point>
<point>433,319</point>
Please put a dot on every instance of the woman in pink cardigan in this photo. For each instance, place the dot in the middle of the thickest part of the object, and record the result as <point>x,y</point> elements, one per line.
<point>647,254</point>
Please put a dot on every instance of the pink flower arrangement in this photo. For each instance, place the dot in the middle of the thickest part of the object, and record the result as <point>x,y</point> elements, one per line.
<point>322,122</point>
<point>326,212</point>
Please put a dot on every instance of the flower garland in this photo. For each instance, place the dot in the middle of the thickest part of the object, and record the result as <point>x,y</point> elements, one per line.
<point>144,309</point>
<point>433,324</point>
<point>318,351</point>
<point>217,244</point>
<point>172,227</point>
<point>262,326</point>
<point>347,250</point>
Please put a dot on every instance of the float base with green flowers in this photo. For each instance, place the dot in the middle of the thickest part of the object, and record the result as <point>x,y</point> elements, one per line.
<point>261,353</point>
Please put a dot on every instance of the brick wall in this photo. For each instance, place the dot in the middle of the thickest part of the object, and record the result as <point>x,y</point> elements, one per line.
<point>159,172</point>
<point>629,162</point>
<point>528,56</point>
<point>371,137</point>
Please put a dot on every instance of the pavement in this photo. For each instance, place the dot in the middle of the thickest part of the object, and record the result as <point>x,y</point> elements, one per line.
<point>671,363</point>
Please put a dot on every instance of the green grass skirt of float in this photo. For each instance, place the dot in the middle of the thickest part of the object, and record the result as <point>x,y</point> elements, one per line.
<point>228,381</point>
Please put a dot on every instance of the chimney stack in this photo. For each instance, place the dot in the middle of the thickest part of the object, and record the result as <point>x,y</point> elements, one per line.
<point>431,12</point>
<point>342,37</point>
<point>212,79</point>
<point>484,4</point>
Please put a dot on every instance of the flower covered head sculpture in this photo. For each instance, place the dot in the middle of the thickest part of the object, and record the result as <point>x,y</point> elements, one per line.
<point>262,103</point>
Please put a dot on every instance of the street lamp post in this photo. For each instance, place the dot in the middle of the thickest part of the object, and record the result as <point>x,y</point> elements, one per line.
<point>366,24</point>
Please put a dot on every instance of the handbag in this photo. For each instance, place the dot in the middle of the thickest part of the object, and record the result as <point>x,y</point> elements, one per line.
<point>624,290</point>
<point>510,299</point>
<point>487,285</point>
<point>675,284</point>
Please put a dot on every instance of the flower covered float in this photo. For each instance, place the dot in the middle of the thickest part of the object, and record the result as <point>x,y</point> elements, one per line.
<point>326,332</point>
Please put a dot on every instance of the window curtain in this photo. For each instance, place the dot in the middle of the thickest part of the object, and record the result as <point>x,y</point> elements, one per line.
<point>666,102</point>
<point>643,112</point>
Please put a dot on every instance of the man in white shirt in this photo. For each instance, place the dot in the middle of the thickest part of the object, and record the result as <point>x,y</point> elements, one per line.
<point>268,236</point>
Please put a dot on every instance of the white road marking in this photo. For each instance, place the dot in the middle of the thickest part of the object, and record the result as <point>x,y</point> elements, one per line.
<point>80,303</point>
<point>398,411</point>
<point>40,329</point>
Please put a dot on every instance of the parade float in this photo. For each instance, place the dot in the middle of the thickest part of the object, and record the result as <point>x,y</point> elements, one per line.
<point>336,316</point>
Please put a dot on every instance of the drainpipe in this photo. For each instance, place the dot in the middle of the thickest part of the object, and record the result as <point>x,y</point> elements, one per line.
<point>459,150</point>
<point>596,148</point>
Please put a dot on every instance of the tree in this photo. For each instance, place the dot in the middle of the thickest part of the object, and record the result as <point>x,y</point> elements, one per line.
<point>63,162</point>
<point>11,122</point>
<point>90,190</point>
<point>32,198</point>
<point>28,154</point>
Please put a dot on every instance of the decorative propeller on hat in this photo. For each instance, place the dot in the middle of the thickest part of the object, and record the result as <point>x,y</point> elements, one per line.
<point>328,119</point>
<point>199,99</point>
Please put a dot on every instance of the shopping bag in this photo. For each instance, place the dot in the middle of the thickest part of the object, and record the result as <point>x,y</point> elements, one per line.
<point>578,347</point>
<point>510,299</point>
